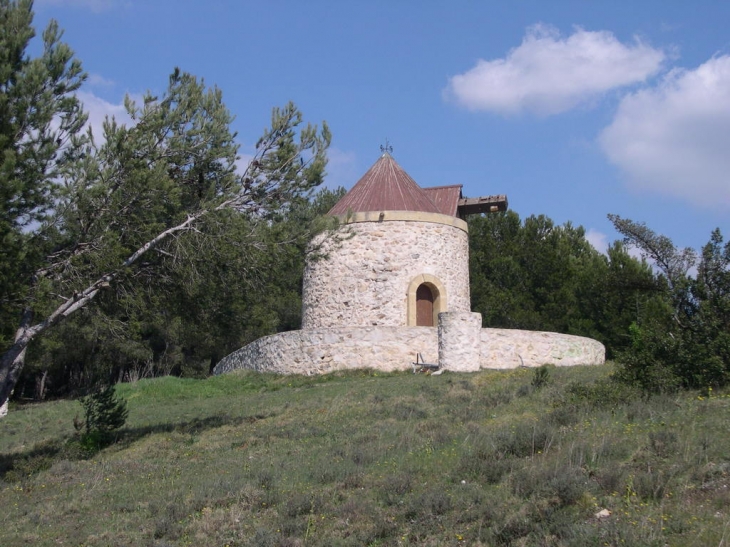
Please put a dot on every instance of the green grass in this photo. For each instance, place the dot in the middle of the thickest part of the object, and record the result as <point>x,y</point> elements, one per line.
<point>365,458</point>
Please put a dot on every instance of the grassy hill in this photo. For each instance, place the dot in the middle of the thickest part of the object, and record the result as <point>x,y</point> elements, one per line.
<point>365,458</point>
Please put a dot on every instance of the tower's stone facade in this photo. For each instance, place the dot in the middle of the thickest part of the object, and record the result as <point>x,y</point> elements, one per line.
<point>368,275</point>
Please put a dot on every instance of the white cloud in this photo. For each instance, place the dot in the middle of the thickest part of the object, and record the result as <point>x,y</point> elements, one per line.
<point>99,81</point>
<point>598,240</point>
<point>98,109</point>
<point>673,138</point>
<point>548,74</point>
<point>242,162</point>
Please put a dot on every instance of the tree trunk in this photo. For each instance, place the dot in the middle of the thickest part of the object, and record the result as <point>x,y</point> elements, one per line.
<point>12,361</point>
<point>40,386</point>
<point>10,367</point>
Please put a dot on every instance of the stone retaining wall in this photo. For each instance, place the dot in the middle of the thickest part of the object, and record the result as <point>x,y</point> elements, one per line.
<point>511,348</point>
<point>318,351</point>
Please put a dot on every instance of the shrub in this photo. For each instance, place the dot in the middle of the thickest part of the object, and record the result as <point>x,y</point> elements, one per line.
<point>482,462</point>
<point>651,485</point>
<point>563,486</point>
<point>541,377</point>
<point>104,413</point>
<point>524,439</point>
<point>303,504</point>
<point>681,340</point>
<point>606,394</point>
<point>662,443</point>
<point>394,488</point>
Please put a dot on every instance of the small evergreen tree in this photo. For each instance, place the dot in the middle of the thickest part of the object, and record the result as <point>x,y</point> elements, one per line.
<point>104,413</point>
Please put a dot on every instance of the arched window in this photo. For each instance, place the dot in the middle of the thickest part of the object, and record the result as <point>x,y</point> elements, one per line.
<point>426,299</point>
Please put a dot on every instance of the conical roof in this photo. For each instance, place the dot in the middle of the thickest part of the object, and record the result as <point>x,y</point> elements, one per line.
<point>385,187</point>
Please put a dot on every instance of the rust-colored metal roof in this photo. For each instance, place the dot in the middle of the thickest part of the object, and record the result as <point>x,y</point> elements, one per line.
<point>445,198</point>
<point>385,187</point>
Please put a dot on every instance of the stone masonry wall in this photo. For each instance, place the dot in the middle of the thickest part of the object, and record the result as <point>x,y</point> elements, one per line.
<point>318,351</point>
<point>459,341</point>
<point>364,280</point>
<point>511,348</point>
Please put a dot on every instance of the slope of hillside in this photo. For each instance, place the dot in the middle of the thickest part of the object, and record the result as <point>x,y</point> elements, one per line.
<point>363,458</point>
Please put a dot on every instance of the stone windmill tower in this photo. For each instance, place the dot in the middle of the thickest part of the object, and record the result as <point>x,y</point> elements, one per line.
<point>397,285</point>
<point>407,259</point>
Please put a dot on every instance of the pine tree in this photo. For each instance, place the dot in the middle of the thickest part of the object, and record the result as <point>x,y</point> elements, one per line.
<point>40,124</point>
<point>683,339</point>
<point>104,413</point>
<point>536,275</point>
<point>137,204</point>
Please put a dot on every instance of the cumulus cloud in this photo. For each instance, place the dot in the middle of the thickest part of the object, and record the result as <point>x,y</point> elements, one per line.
<point>98,109</point>
<point>548,74</point>
<point>98,80</point>
<point>673,138</point>
<point>598,240</point>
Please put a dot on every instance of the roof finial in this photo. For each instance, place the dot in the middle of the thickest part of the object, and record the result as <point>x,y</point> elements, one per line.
<point>387,148</point>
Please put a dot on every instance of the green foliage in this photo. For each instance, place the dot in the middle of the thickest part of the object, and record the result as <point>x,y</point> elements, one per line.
<point>541,377</point>
<point>104,413</point>
<point>149,221</point>
<point>225,295</point>
<point>683,338</point>
<point>539,276</point>
<point>40,120</point>
<point>606,393</point>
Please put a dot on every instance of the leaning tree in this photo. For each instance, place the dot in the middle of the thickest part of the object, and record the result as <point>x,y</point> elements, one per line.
<point>683,340</point>
<point>122,208</point>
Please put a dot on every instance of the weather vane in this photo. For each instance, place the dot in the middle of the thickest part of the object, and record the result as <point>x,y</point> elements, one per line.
<point>387,148</point>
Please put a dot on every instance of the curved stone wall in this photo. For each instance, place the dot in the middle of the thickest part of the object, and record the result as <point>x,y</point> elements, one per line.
<point>364,280</point>
<point>318,351</point>
<point>511,348</point>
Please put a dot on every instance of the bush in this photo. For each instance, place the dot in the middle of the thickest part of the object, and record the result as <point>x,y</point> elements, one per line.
<point>104,413</point>
<point>681,339</point>
<point>541,377</point>
<point>523,440</point>
<point>563,486</point>
<point>607,394</point>
<point>484,464</point>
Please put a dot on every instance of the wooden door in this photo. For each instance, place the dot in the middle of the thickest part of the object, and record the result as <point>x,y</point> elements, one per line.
<point>424,306</point>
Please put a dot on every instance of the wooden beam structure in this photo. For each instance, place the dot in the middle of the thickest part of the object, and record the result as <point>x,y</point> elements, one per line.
<point>484,204</point>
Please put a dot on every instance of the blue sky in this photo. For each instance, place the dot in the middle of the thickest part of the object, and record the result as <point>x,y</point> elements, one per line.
<point>574,109</point>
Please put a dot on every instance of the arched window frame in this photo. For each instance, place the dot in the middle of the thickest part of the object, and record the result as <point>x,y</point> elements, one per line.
<point>439,297</point>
